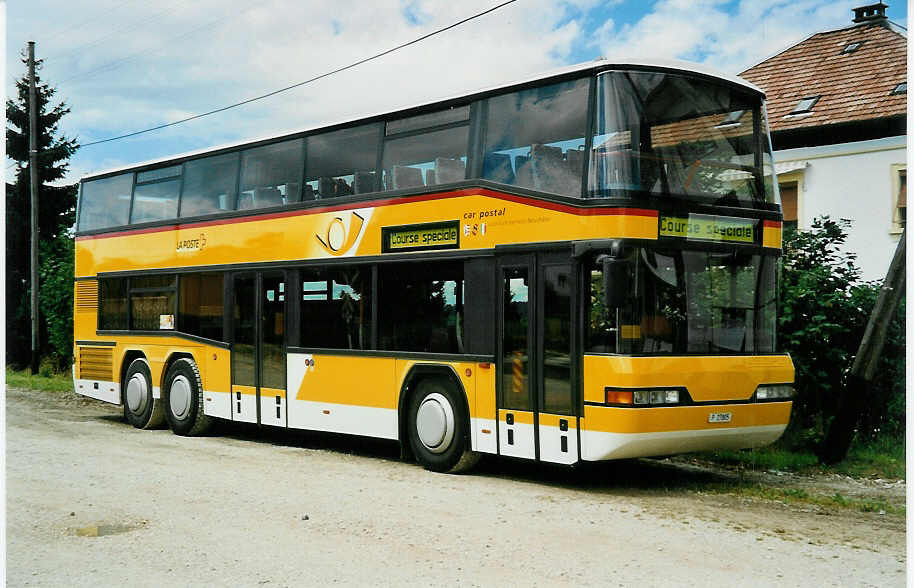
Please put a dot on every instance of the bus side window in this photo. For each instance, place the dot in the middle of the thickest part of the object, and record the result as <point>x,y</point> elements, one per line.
<point>340,163</point>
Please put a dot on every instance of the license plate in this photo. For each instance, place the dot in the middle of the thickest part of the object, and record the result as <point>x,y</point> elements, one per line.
<point>720,417</point>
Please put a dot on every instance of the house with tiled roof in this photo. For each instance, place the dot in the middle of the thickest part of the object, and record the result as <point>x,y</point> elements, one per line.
<point>837,104</point>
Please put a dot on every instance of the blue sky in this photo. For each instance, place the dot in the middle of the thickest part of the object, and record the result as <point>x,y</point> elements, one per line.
<point>126,65</point>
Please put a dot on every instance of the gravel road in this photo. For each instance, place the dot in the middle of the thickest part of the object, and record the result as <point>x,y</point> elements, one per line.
<point>93,502</point>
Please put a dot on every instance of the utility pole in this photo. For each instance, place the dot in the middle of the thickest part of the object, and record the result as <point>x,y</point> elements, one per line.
<point>33,177</point>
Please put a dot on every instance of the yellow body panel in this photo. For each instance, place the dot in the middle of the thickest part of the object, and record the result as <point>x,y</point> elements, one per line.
<point>552,420</point>
<point>485,220</point>
<point>707,378</point>
<point>771,235</point>
<point>520,417</point>
<point>353,380</point>
<point>245,390</point>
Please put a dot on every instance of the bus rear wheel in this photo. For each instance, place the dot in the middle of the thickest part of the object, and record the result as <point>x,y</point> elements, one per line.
<point>182,398</point>
<point>438,429</point>
<point>140,409</point>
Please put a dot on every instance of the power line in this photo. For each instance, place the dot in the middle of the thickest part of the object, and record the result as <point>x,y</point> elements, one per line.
<point>299,84</point>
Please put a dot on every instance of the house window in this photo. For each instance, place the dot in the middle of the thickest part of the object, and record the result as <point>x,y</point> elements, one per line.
<point>789,203</point>
<point>901,88</point>
<point>851,47</point>
<point>805,105</point>
<point>899,197</point>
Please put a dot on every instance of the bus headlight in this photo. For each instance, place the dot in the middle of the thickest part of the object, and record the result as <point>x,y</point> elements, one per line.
<point>774,392</point>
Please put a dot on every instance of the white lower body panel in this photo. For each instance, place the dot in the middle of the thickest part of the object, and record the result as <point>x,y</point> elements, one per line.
<point>100,390</point>
<point>558,446</point>
<point>480,440</point>
<point>516,440</point>
<point>217,404</point>
<point>596,445</point>
<point>343,418</point>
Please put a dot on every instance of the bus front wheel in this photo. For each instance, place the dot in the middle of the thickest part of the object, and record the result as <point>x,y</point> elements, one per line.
<point>438,428</point>
<point>182,398</point>
<point>140,409</point>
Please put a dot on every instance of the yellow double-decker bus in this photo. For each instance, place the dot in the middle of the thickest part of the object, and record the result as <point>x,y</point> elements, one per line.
<point>575,267</point>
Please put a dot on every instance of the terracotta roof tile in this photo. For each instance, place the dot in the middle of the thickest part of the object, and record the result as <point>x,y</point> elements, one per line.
<point>853,86</point>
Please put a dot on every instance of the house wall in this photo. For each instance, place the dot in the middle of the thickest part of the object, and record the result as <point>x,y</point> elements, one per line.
<point>856,181</point>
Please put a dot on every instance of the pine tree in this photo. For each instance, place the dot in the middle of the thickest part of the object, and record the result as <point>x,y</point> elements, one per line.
<point>56,206</point>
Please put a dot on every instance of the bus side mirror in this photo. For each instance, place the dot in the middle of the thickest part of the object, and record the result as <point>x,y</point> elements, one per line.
<point>616,281</point>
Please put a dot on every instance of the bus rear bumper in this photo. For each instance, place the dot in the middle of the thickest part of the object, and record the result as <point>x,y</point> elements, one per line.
<point>598,445</point>
<point>99,390</point>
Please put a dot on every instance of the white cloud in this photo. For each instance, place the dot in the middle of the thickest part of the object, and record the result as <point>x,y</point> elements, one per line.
<point>175,59</point>
<point>719,34</point>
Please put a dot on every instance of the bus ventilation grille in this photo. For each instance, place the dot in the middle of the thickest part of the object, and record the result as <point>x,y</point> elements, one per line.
<point>95,363</point>
<point>86,296</point>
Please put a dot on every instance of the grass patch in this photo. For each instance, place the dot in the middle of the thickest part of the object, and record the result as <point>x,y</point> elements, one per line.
<point>51,382</point>
<point>883,458</point>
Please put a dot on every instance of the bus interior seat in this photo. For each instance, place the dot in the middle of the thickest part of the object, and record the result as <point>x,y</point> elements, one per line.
<point>325,187</point>
<point>266,197</point>
<point>449,170</point>
<point>524,171</point>
<point>364,182</point>
<point>497,167</point>
<point>406,177</point>
<point>575,161</point>
<point>547,167</point>
<point>431,177</point>
<point>245,201</point>
<point>342,187</point>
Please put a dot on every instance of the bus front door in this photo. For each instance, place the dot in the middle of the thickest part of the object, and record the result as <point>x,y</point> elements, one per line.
<point>535,378</point>
<point>258,348</point>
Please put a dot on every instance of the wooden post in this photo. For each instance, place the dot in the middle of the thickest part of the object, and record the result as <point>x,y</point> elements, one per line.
<point>841,432</point>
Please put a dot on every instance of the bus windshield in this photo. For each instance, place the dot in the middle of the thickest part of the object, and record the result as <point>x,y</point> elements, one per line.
<point>688,302</point>
<point>662,134</point>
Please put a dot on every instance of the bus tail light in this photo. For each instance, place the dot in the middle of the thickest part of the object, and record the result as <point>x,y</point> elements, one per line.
<point>647,397</point>
<point>774,392</point>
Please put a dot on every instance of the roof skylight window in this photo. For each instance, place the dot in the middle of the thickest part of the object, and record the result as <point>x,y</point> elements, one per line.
<point>851,47</point>
<point>805,105</point>
<point>901,88</point>
<point>732,118</point>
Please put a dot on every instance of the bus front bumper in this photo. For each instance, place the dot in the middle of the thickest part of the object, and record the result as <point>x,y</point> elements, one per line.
<point>620,433</point>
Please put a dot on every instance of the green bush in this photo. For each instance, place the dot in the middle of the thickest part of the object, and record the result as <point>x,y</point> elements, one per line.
<point>824,308</point>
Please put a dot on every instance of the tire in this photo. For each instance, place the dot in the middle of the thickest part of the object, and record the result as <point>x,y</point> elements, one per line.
<point>140,409</point>
<point>438,427</point>
<point>182,399</point>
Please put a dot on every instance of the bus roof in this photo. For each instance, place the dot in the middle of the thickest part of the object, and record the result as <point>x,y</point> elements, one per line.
<point>597,64</point>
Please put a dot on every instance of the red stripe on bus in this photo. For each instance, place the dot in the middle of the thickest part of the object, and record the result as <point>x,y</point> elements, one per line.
<point>566,208</point>
<point>772,224</point>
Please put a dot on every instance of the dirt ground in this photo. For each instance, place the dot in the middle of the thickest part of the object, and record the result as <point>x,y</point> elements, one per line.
<point>92,501</point>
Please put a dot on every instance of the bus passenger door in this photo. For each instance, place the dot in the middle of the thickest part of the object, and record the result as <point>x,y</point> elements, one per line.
<point>258,348</point>
<point>536,408</point>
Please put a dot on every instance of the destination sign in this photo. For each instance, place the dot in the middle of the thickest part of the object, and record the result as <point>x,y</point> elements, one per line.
<point>706,227</point>
<point>443,235</point>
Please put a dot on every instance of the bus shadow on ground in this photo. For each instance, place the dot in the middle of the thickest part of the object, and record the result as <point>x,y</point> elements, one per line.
<point>623,476</point>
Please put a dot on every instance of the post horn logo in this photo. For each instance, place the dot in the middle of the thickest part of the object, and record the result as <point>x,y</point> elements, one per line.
<point>337,240</point>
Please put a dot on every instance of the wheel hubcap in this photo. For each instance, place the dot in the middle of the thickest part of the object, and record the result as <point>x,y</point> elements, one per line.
<point>137,393</point>
<point>179,397</point>
<point>435,423</point>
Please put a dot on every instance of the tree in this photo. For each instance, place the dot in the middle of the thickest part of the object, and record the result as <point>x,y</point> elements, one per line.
<point>824,307</point>
<point>56,212</point>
